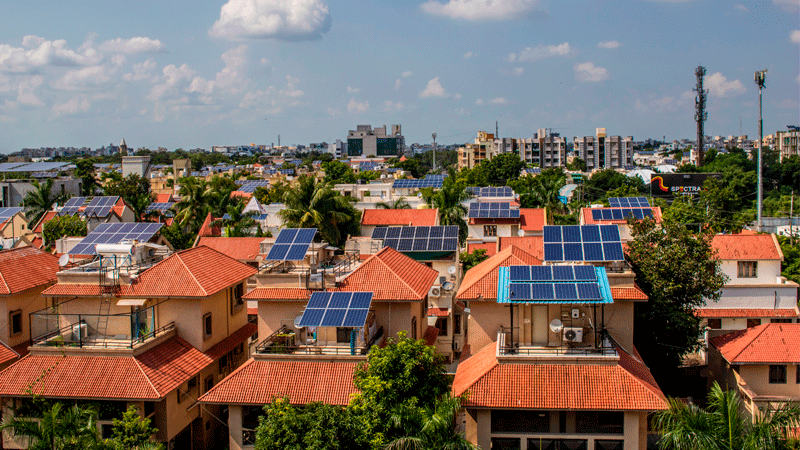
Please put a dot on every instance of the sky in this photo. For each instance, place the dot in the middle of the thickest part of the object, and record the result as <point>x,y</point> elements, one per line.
<point>186,74</point>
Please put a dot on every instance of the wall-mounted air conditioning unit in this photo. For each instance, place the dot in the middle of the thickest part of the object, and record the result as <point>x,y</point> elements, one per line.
<point>435,291</point>
<point>80,331</point>
<point>573,334</point>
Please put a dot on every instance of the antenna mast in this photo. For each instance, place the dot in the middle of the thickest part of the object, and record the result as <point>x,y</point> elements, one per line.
<point>760,79</point>
<point>700,114</point>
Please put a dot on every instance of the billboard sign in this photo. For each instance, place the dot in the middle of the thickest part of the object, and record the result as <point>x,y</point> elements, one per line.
<point>668,185</point>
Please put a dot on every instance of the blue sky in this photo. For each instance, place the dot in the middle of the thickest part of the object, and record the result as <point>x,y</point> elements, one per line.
<point>201,73</point>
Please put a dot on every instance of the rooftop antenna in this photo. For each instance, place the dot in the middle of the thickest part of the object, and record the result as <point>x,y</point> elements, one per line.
<point>760,79</point>
<point>700,114</point>
<point>434,151</point>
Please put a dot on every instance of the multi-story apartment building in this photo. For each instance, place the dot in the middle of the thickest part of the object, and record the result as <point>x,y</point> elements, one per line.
<point>136,327</point>
<point>366,141</point>
<point>787,142</point>
<point>543,150</point>
<point>472,154</point>
<point>604,152</point>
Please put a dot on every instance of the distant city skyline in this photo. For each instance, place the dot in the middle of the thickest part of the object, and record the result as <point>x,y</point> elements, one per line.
<point>226,72</point>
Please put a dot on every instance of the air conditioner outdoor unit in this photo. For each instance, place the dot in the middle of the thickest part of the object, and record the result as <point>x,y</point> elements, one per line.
<point>435,291</point>
<point>80,331</point>
<point>573,334</point>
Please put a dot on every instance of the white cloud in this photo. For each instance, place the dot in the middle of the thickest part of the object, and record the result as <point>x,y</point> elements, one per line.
<point>667,103</point>
<point>353,106</point>
<point>609,45</point>
<point>289,20</point>
<point>333,112</point>
<point>141,71</point>
<point>397,84</point>
<point>499,101</point>
<point>26,94</point>
<point>530,54</point>
<point>73,106</point>
<point>86,78</point>
<point>479,102</point>
<point>480,10</point>
<point>391,106</point>
<point>794,36</point>
<point>435,89</point>
<point>719,86</point>
<point>38,52</point>
<point>589,72</point>
<point>518,71</point>
<point>133,45</point>
<point>353,90</point>
<point>741,8</point>
<point>790,6</point>
<point>406,74</point>
<point>469,55</point>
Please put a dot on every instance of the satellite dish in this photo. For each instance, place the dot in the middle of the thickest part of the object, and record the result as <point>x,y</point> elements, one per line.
<point>521,233</point>
<point>451,270</point>
<point>556,326</point>
<point>448,286</point>
<point>297,321</point>
<point>63,260</point>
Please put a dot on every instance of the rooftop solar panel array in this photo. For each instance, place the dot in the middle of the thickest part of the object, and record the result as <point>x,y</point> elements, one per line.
<point>582,243</point>
<point>629,202</point>
<point>250,186</point>
<point>292,244</point>
<point>337,309</point>
<point>554,284</point>
<point>533,171</point>
<point>419,239</point>
<point>6,213</point>
<point>100,206</point>
<point>72,206</point>
<point>115,233</point>
<point>492,210</point>
<point>432,181</point>
<point>621,213</point>
<point>163,208</point>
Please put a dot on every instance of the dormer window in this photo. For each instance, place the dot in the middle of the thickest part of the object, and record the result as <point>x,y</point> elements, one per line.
<point>748,269</point>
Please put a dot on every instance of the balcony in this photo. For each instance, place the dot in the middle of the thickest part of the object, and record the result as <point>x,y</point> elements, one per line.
<point>602,351</point>
<point>49,328</point>
<point>286,341</point>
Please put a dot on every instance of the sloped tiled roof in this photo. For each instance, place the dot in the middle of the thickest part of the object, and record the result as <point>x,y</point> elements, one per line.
<point>163,198</point>
<point>278,294</point>
<point>196,272</point>
<point>481,280</point>
<point>25,268</point>
<point>628,293</point>
<point>391,275</point>
<point>627,386</point>
<point>240,248</point>
<point>206,230</point>
<point>226,345</point>
<point>586,213</point>
<point>257,382</point>
<point>490,247</point>
<point>399,217</point>
<point>45,218</point>
<point>771,343</point>
<point>745,312</point>
<point>7,353</point>
<point>532,219</point>
<point>747,246</point>
<point>532,245</point>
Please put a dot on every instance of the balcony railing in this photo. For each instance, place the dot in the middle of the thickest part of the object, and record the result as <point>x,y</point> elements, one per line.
<point>505,348</point>
<point>284,341</point>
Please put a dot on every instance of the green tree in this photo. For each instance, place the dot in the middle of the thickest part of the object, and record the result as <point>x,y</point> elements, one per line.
<point>338,172</point>
<point>577,164</point>
<point>679,272</point>
<point>238,223</point>
<point>449,201</point>
<point>313,204</point>
<point>501,168</point>
<point>193,206</point>
<point>132,431</point>
<point>791,257</point>
<point>399,203</point>
<point>315,426</point>
<point>58,427</point>
<point>272,194</point>
<point>603,181</point>
<point>429,427</point>
<point>84,169</point>
<point>470,260</point>
<point>40,200</point>
<point>135,190</point>
<point>180,238</point>
<point>60,226</point>
<point>541,191</point>
<point>723,425</point>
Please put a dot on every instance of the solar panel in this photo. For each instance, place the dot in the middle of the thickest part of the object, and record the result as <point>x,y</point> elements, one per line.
<point>621,213</point>
<point>291,244</point>
<point>433,181</point>
<point>336,309</point>
<point>163,208</point>
<point>7,213</point>
<point>100,206</point>
<point>250,186</point>
<point>629,202</point>
<point>115,233</point>
<point>492,210</point>
<point>419,239</point>
<point>582,243</point>
<point>72,206</point>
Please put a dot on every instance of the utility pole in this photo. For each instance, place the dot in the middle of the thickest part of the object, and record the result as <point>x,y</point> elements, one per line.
<point>434,151</point>
<point>760,79</point>
<point>791,221</point>
<point>700,114</point>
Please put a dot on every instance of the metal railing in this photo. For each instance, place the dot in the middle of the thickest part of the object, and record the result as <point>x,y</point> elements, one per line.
<point>283,341</point>
<point>565,349</point>
<point>248,436</point>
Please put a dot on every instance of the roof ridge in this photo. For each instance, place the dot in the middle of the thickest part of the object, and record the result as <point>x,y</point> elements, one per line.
<point>183,263</point>
<point>141,369</point>
<point>750,341</point>
<point>395,273</point>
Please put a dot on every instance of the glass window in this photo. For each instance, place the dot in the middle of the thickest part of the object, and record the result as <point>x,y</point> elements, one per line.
<point>599,422</point>
<point>441,324</point>
<point>16,322</point>
<point>207,329</point>
<point>748,269</point>
<point>237,302</point>
<point>777,374</point>
<point>715,324</point>
<point>490,230</point>
<point>511,421</point>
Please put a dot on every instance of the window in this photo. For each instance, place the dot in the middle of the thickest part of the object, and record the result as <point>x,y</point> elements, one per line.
<point>237,302</point>
<point>747,269</point>
<point>511,421</point>
<point>15,319</point>
<point>208,383</point>
<point>192,383</point>
<point>414,327</point>
<point>207,326</point>
<point>441,324</point>
<point>343,335</point>
<point>797,374</point>
<point>780,320</point>
<point>223,364</point>
<point>457,324</point>
<point>753,323</point>
<point>715,324</point>
<point>777,374</point>
<point>490,230</point>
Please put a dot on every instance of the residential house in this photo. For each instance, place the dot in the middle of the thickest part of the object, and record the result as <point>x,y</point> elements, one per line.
<point>618,216</point>
<point>528,222</point>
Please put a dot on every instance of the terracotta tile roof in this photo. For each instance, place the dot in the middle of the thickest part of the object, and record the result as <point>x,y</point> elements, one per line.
<point>149,376</point>
<point>240,248</point>
<point>79,290</point>
<point>745,312</point>
<point>252,311</point>
<point>7,354</point>
<point>196,272</point>
<point>490,247</point>
<point>241,194</point>
<point>747,246</point>
<point>627,386</point>
<point>400,217</point>
<point>37,242</point>
<point>628,293</point>
<point>45,218</point>
<point>25,268</point>
<point>391,276</point>
<point>481,280</point>
<point>257,382</point>
<point>770,343</point>
<point>532,245</point>
<point>278,294</point>
<point>438,312</point>
<point>224,346</point>
<point>163,198</point>
<point>586,213</point>
<point>532,219</point>
<point>206,230</point>
<point>431,333</point>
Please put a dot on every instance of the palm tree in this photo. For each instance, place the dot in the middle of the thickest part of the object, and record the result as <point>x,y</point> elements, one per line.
<point>59,427</point>
<point>723,425</point>
<point>193,206</point>
<point>400,203</point>
<point>40,200</point>
<point>543,191</point>
<point>429,427</point>
<point>237,224</point>
<point>449,201</point>
<point>313,204</point>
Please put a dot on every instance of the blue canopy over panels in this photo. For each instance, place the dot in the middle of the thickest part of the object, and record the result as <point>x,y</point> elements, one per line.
<point>250,186</point>
<point>582,243</point>
<point>291,244</point>
<point>492,210</point>
<point>629,202</point>
<point>115,233</point>
<point>100,206</point>
<point>419,239</point>
<point>553,285</point>
<point>336,309</point>
<point>621,213</point>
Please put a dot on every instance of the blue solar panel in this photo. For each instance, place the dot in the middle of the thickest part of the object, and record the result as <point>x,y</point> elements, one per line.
<point>292,244</point>
<point>584,272</point>
<point>563,273</point>
<point>519,273</point>
<point>407,232</point>
<point>591,233</point>
<point>296,252</point>
<point>628,202</point>
<point>393,232</point>
<point>379,233</point>
<point>286,236</point>
<point>612,251</point>
<point>552,234</point>
<point>583,243</point>
<point>609,233</point>
<point>542,291</point>
<point>566,291</point>
<point>337,309</point>
<point>311,317</point>
<point>361,300</point>
<point>422,232</point>
<point>6,213</point>
<point>340,300</point>
<point>553,252</point>
<point>355,318</point>
<point>419,239</point>
<point>593,251</point>
<point>71,207</point>
<point>589,291</point>
<point>115,233</point>
<point>278,252</point>
<point>520,291</point>
<point>250,186</point>
<point>573,251</point>
<point>319,299</point>
<point>541,273</point>
<point>572,233</point>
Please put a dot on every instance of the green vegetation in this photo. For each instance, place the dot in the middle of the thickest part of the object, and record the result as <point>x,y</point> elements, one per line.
<point>135,190</point>
<point>40,200</point>
<point>449,201</point>
<point>316,426</point>
<point>470,260</point>
<point>61,226</point>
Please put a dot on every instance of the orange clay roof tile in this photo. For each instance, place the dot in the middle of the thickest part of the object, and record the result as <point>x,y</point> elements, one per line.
<point>391,276</point>
<point>400,217</point>
<point>747,246</point>
<point>481,280</point>
<point>25,268</point>
<point>771,343</point>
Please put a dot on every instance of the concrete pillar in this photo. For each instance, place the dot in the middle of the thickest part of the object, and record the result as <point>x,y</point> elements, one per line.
<point>540,325</point>
<point>631,431</point>
<point>235,427</point>
<point>484,428</point>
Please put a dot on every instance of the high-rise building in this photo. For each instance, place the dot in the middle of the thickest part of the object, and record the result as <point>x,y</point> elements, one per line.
<point>366,141</point>
<point>604,152</point>
<point>543,150</point>
<point>786,142</point>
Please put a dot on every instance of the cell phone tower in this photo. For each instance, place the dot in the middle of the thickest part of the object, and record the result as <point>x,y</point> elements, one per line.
<point>700,114</point>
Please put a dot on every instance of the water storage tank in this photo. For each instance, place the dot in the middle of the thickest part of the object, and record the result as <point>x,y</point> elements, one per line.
<point>114,249</point>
